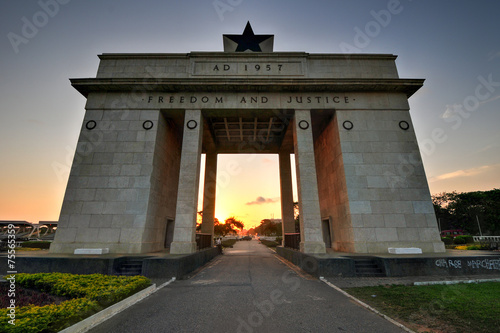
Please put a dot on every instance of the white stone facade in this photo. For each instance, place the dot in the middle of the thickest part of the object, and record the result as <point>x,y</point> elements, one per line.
<point>136,167</point>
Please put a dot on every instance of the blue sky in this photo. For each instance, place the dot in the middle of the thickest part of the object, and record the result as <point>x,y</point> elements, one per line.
<point>454,45</point>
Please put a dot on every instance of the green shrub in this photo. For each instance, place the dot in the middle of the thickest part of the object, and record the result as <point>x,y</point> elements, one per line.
<point>49,318</point>
<point>463,239</point>
<point>447,240</point>
<point>279,240</point>
<point>228,242</point>
<point>269,243</point>
<point>90,294</point>
<point>36,244</point>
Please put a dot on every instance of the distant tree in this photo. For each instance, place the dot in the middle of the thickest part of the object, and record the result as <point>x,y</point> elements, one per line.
<point>296,216</point>
<point>462,210</point>
<point>268,227</point>
<point>228,227</point>
<point>199,219</point>
<point>235,223</point>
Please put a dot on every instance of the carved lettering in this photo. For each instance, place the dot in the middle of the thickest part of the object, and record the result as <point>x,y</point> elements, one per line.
<point>248,99</point>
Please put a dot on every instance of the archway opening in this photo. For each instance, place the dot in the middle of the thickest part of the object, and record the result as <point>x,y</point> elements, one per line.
<point>248,189</point>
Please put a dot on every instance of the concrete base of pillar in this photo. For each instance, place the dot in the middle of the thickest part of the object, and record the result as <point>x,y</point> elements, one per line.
<point>182,247</point>
<point>312,247</point>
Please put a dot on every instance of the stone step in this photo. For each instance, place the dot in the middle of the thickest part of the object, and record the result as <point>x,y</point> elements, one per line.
<point>366,267</point>
<point>130,267</point>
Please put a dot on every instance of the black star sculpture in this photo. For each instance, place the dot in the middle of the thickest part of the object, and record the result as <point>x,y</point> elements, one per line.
<point>248,42</point>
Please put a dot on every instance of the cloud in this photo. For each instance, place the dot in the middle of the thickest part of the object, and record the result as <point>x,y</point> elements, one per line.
<point>463,173</point>
<point>451,110</point>
<point>262,200</point>
<point>454,109</point>
<point>494,98</point>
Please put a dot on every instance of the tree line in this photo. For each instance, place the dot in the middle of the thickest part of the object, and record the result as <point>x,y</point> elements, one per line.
<point>469,211</point>
<point>230,225</point>
<point>267,227</point>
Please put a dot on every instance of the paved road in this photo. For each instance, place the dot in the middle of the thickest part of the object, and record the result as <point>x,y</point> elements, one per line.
<point>248,289</point>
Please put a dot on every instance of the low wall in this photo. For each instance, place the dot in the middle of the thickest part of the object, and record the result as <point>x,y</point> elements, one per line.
<point>172,266</point>
<point>318,265</point>
<point>61,265</point>
<point>449,266</point>
<point>177,267</point>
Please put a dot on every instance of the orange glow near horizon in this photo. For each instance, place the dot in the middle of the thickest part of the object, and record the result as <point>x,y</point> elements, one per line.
<point>247,187</point>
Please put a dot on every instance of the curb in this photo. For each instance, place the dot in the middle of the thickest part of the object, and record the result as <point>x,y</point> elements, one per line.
<point>103,315</point>
<point>432,283</point>
<point>366,306</point>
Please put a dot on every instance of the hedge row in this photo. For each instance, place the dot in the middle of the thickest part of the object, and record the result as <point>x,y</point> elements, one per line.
<point>36,244</point>
<point>89,293</point>
<point>459,240</point>
<point>269,243</point>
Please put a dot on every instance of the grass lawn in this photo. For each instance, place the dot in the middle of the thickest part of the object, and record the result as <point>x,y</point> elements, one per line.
<point>440,308</point>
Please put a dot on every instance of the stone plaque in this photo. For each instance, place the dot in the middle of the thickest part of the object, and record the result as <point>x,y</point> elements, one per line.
<point>263,68</point>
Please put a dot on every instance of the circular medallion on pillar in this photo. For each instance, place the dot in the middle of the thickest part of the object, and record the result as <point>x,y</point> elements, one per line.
<point>348,125</point>
<point>404,125</point>
<point>192,124</point>
<point>147,125</point>
<point>303,124</point>
<point>90,125</point>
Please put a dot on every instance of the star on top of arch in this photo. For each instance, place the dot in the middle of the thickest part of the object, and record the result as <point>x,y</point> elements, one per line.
<point>248,42</point>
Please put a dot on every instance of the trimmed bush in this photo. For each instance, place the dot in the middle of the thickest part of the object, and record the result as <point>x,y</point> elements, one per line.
<point>279,240</point>
<point>447,240</point>
<point>89,293</point>
<point>228,242</point>
<point>269,243</point>
<point>36,244</point>
<point>463,239</point>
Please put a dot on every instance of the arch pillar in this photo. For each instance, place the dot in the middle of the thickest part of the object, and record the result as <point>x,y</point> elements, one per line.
<point>311,240</point>
<point>209,193</point>
<point>184,241</point>
<point>286,194</point>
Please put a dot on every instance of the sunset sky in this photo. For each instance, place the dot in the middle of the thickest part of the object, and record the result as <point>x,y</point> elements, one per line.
<point>454,45</point>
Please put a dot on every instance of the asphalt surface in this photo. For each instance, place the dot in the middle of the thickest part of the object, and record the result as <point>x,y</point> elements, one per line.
<point>248,289</point>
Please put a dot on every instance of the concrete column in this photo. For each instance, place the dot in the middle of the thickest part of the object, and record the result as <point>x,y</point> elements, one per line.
<point>209,192</point>
<point>307,184</point>
<point>286,194</point>
<point>189,177</point>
